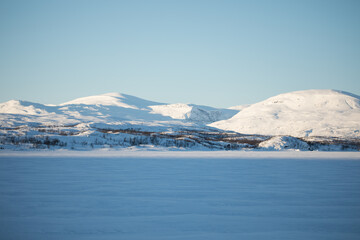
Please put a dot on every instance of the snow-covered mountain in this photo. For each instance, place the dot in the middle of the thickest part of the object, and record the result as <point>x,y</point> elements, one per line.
<point>193,113</point>
<point>304,120</point>
<point>239,107</point>
<point>113,99</point>
<point>327,113</point>
<point>108,108</point>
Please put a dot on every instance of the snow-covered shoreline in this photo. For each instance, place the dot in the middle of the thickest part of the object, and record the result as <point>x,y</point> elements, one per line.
<point>186,154</point>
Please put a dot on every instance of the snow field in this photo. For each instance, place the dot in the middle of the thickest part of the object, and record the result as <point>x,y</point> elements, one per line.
<point>137,197</point>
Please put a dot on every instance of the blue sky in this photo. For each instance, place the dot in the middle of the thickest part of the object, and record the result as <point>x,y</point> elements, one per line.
<point>219,53</point>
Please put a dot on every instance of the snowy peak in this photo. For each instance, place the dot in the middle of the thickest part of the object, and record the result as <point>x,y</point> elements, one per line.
<point>116,107</point>
<point>328,113</point>
<point>176,111</point>
<point>23,107</point>
<point>194,113</point>
<point>300,114</point>
<point>147,110</point>
<point>303,120</point>
<point>113,99</point>
<point>313,99</point>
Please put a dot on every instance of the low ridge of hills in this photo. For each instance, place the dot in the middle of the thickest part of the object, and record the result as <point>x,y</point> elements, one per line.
<point>305,120</point>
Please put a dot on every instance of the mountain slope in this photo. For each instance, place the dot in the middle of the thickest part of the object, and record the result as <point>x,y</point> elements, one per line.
<point>107,108</point>
<point>192,112</point>
<point>24,107</point>
<point>113,99</point>
<point>121,121</point>
<point>327,113</point>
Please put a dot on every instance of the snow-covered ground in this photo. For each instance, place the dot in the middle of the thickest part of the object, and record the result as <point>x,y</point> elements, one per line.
<point>195,195</point>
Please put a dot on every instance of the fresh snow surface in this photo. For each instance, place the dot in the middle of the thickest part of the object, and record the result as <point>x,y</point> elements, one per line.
<point>113,99</point>
<point>177,111</point>
<point>123,197</point>
<point>240,107</point>
<point>195,113</point>
<point>22,107</point>
<point>284,142</point>
<point>327,113</point>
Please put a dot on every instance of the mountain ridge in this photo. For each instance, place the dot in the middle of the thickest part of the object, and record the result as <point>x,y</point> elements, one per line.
<point>300,114</point>
<point>304,120</point>
<point>118,106</point>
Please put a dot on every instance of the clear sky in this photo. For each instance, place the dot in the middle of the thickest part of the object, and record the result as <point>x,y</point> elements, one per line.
<point>219,53</point>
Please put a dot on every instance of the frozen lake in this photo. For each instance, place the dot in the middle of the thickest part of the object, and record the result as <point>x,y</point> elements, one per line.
<point>183,197</point>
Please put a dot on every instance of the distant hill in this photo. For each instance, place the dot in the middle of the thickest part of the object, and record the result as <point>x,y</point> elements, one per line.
<point>304,120</point>
<point>328,113</point>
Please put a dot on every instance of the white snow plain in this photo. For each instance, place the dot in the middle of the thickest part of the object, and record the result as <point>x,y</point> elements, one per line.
<point>179,195</point>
